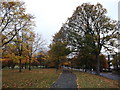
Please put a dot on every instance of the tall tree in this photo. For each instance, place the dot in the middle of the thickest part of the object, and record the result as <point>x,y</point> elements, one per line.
<point>58,49</point>
<point>91,20</point>
<point>34,45</point>
<point>13,19</point>
<point>13,23</point>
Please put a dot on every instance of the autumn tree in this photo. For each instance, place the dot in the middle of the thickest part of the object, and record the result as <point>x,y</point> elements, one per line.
<point>116,61</point>
<point>34,45</point>
<point>13,19</point>
<point>89,62</point>
<point>103,62</point>
<point>8,57</point>
<point>23,49</point>
<point>91,20</point>
<point>14,22</point>
<point>41,57</point>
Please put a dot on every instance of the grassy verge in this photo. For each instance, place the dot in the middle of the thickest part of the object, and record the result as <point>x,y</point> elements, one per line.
<point>37,78</point>
<point>86,80</point>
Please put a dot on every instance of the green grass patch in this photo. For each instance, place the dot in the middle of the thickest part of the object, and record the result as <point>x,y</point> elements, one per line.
<point>86,80</point>
<point>37,78</point>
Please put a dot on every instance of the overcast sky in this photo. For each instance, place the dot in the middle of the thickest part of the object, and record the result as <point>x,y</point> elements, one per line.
<point>51,14</point>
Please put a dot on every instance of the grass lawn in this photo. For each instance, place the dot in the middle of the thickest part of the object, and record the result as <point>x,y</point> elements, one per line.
<point>86,80</point>
<point>36,78</point>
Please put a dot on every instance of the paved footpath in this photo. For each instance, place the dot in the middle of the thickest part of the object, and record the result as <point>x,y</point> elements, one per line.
<point>66,80</point>
<point>111,76</point>
<point>108,75</point>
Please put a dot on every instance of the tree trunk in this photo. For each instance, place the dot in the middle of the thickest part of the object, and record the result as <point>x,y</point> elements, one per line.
<point>57,65</point>
<point>30,63</point>
<point>13,66</point>
<point>20,69</point>
<point>98,64</point>
<point>25,65</point>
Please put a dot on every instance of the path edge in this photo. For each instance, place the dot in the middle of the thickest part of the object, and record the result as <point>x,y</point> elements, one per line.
<point>55,81</point>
